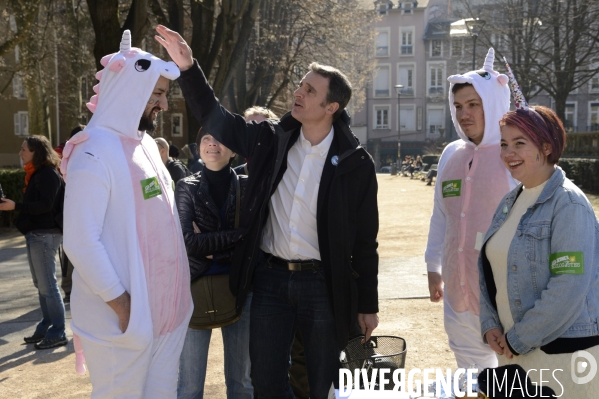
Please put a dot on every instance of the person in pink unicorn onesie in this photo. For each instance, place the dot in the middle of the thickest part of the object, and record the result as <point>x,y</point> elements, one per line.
<point>130,302</point>
<point>471,181</point>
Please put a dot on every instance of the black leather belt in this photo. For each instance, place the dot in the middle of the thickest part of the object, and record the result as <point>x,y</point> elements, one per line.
<point>293,265</point>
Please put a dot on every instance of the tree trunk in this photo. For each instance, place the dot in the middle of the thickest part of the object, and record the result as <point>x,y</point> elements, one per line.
<point>105,20</point>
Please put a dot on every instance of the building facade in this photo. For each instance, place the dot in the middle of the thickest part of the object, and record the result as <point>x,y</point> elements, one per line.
<point>417,47</point>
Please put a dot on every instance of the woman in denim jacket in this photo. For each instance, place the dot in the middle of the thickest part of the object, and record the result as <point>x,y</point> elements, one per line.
<point>538,264</point>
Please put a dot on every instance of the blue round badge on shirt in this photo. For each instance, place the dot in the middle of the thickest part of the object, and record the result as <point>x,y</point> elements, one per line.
<point>335,160</point>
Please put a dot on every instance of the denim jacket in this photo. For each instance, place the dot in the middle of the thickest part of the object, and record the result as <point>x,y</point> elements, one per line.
<point>544,306</point>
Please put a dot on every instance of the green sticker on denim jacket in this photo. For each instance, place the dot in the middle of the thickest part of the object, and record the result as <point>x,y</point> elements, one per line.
<point>150,188</point>
<point>566,263</point>
<point>451,188</point>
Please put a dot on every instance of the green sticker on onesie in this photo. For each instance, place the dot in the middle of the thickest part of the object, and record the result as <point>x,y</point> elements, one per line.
<point>150,188</point>
<point>566,263</point>
<point>451,188</point>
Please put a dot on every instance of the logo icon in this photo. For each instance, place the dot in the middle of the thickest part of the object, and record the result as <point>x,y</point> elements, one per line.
<point>335,160</point>
<point>452,188</point>
<point>578,367</point>
<point>150,188</point>
<point>142,65</point>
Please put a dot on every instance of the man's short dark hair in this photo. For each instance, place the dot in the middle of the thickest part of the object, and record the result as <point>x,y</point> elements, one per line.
<point>459,86</point>
<point>339,86</point>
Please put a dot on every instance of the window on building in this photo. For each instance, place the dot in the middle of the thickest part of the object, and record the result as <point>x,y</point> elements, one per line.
<point>436,48</point>
<point>21,122</point>
<point>457,47</point>
<point>18,89</point>
<point>436,80</point>
<point>382,9</point>
<point>176,125</point>
<point>407,45</point>
<point>381,82</point>
<point>407,117</point>
<point>382,44</point>
<point>435,120</point>
<point>570,117</point>
<point>594,116</point>
<point>17,53</point>
<point>594,84</point>
<point>381,117</point>
<point>406,7</point>
<point>406,79</point>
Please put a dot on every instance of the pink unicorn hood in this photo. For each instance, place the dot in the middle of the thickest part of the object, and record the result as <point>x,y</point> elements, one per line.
<point>126,83</point>
<point>493,89</point>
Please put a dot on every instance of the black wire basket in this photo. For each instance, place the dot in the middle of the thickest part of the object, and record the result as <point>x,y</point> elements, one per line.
<point>382,352</point>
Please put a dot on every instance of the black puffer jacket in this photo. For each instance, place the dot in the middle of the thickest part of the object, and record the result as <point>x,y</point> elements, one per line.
<point>195,205</point>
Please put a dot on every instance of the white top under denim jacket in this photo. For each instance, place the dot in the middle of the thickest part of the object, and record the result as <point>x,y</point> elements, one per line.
<point>547,308</point>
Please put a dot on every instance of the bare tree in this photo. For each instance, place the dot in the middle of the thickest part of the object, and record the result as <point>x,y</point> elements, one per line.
<point>291,34</point>
<point>25,12</point>
<point>551,45</point>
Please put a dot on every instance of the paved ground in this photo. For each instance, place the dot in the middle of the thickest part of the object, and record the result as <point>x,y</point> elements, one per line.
<point>405,207</point>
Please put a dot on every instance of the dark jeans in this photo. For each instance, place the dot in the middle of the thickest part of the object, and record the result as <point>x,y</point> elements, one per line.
<point>284,301</point>
<point>298,375</point>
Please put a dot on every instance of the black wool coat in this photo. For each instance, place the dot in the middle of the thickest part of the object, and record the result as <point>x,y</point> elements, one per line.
<point>347,212</point>
<point>38,209</point>
<point>195,204</point>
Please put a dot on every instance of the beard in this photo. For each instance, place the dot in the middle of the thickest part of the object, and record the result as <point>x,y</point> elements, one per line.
<point>146,123</point>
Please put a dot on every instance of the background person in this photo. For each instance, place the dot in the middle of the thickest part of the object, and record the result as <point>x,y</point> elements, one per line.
<point>37,220</point>
<point>175,167</point>
<point>207,201</point>
<point>254,114</point>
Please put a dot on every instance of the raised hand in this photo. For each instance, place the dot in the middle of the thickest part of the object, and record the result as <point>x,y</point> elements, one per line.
<point>176,47</point>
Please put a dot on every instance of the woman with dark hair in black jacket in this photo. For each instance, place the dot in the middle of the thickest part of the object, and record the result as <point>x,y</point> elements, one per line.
<point>207,203</point>
<point>39,220</point>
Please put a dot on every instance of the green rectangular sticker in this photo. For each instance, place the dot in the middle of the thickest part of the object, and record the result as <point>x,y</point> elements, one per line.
<point>452,188</point>
<point>150,188</point>
<point>566,263</point>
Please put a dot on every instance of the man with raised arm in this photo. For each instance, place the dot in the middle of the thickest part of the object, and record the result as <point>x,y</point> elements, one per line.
<point>309,251</point>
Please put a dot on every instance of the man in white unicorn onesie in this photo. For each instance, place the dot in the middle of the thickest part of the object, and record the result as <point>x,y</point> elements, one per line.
<point>471,181</point>
<point>130,301</point>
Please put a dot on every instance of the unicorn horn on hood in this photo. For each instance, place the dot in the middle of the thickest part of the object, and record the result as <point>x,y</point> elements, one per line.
<point>489,60</point>
<point>519,99</point>
<point>126,41</point>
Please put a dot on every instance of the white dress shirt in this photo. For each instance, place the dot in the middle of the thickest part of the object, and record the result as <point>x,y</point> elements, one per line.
<point>290,231</point>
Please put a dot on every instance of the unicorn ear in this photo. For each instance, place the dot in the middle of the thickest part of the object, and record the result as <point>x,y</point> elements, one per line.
<point>104,61</point>
<point>489,60</point>
<point>502,79</point>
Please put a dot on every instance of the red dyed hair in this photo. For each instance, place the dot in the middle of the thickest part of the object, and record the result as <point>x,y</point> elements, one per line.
<point>541,125</point>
